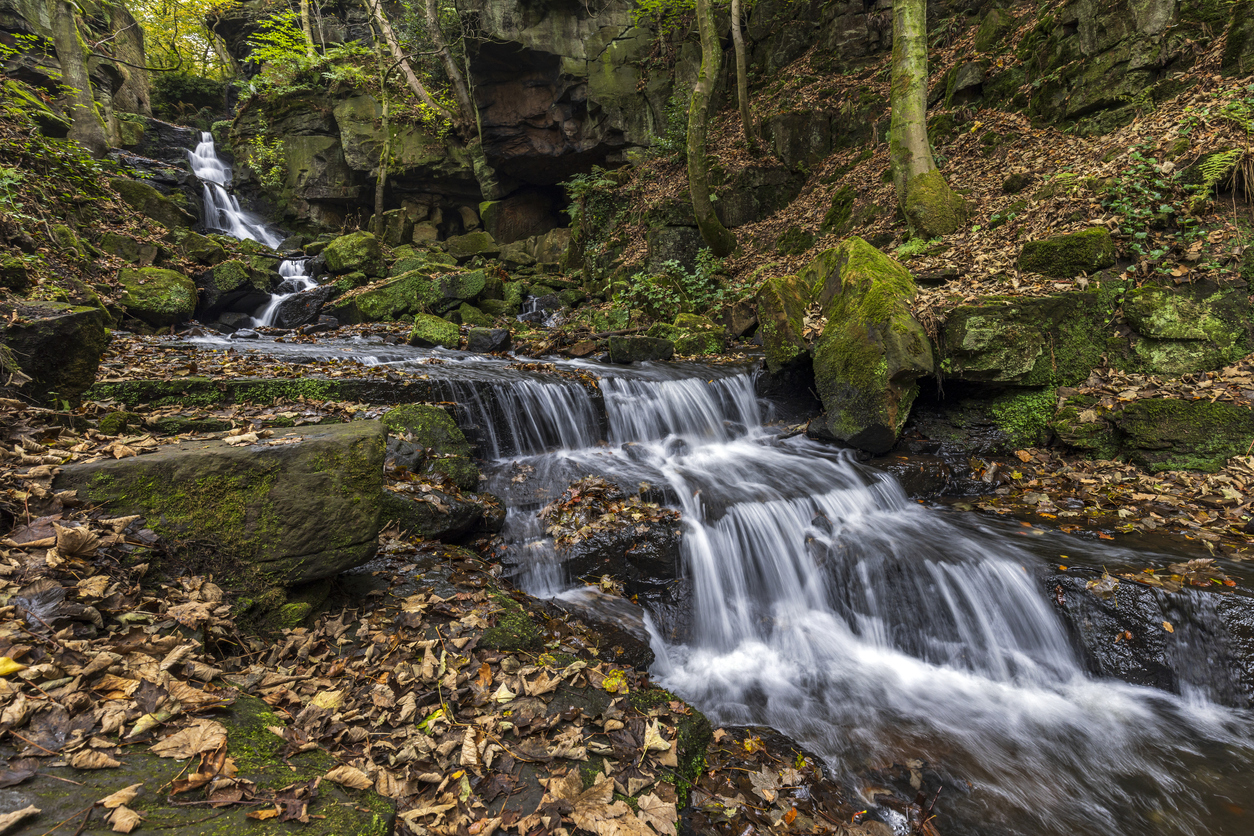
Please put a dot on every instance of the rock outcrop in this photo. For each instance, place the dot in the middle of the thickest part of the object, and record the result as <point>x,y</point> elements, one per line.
<point>294,508</point>
<point>58,346</point>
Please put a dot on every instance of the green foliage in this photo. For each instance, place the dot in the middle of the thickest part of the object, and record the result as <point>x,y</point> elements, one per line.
<point>45,171</point>
<point>581,187</point>
<point>279,40</point>
<point>1215,167</point>
<point>10,181</point>
<point>22,45</point>
<point>913,247</point>
<point>176,35</point>
<point>176,94</point>
<point>675,138</point>
<point>268,159</point>
<point>672,290</point>
<point>1148,200</point>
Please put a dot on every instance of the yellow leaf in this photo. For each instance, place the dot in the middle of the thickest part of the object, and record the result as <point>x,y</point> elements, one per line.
<point>348,776</point>
<point>122,796</point>
<point>653,740</point>
<point>92,759</point>
<point>123,819</point>
<point>328,699</point>
<point>8,666</point>
<point>1167,626</point>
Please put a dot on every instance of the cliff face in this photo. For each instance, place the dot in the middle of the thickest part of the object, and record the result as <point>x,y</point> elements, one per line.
<point>119,83</point>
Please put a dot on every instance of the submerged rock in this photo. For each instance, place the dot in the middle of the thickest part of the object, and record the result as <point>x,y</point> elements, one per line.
<point>295,508</point>
<point>872,350</point>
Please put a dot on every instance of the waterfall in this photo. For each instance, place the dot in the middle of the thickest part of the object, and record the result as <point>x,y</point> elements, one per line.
<point>223,214</point>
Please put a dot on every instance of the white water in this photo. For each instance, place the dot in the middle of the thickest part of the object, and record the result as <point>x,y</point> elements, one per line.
<point>828,605</point>
<point>223,214</point>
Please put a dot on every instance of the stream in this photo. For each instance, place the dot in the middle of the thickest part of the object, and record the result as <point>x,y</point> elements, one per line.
<point>825,603</point>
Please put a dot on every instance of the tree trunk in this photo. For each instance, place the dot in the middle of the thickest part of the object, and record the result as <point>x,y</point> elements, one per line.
<point>742,78</point>
<point>87,126</point>
<point>308,29</point>
<point>720,241</point>
<point>389,36</point>
<point>385,155</point>
<point>461,91</point>
<point>930,206</point>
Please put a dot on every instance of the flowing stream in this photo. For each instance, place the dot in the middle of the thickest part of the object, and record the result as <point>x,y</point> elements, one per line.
<point>828,605</point>
<point>223,214</point>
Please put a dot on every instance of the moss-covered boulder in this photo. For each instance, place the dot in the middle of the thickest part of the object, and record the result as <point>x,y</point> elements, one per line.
<point>781,303</point>
<point>466,247</point>
<point>14,274</point>
<point>454,289</point>
<point>872,350</point>
<point>1041,341</point>
<point>199,248</point>
<point>1067,256</point>
<point>358,251</point>
<point>431,331</point>
<point>640,349</point>
<point>233,285</point>
<point>467,314</point>
<point>1156,433</point>
<point>1180,330</point>
<point>58,346</point>
<point>994,26</point>
<point>61,793</point>
<point>289,512</point>
<point>129,249</point>
<point>428,426</point>
<point>146,200</point>
<point>157,297</point>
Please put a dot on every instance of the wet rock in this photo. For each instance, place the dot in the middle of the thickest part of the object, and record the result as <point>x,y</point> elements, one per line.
<point>488,340</point>
<point>1121,633</point>
<point>233,321</point>
<point>872,350</point>
<point>432,515</point>
<point>617,622</point>
<point>1067,256</point>
<point>324,323</point>
<point>466,247</point>
<point>233,285</point>
<point>740,318</point>
<point>293,512</point>
<point>642,556</point>
<point>431,331</point>
<point>425,439</point>
<point>302,308</point>
<point>58,346</point>
<point>157,297</point>
<point>640,349</point>
<point>245,334</point>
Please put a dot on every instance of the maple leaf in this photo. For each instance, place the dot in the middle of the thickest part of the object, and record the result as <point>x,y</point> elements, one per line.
<point>201,736</point>
<point>123,819</point>
<point>349,776</point>
<point>765,784</point>
<point>658,814</point>
<point>92,759</point>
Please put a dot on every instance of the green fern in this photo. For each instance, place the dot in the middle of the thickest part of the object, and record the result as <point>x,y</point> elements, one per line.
<point>1215,167</point>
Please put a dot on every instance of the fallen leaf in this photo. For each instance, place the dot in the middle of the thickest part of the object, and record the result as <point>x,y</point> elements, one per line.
<point>201,736</point>
<point>9,819</point>
<point>349,776</point>
<point>658,814</point>
<point>122,796</point>
<point>93,759</point>
<point>262,815</point>
<point>653,740</point>
<point>1167,626</point>
<point>123,819</point>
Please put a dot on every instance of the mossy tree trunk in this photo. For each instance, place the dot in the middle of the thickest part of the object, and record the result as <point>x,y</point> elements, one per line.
<point>307,27</point>
<point>930,206</point>
<point>385,153</point>
<point>742,78</point>
<point>720,241</point>
<point>87,127</point>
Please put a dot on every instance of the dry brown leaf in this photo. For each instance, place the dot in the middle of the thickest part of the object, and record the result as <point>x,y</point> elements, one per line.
<point>123,819</point>
<point>76,542</point>
<point>201,736</point>
<point>658,814</point>
<point>262,815</point>
<point>93,759</point>
<point>122,796</point>
<point>349,776</point>
<point>8,820</point>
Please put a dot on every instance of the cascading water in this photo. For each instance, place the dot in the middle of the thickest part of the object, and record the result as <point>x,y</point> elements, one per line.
<point>223,214</point>
<point>828,605</point>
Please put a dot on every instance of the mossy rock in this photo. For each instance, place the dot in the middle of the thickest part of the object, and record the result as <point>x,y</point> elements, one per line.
<point>994,26</point>
<point>468,314</point>
<point>781,303</point>
<point>407,295</point>
<point>356,252</point>
<point>454,289</point>
<point>499,307</point>
<point>199,248</point>
<point>794,241</point>
<point>157,297</point>
<point>1042,341</point>
<point>67,241</point>
<point>431,331</point>
<point>293,513</point>
<point>514,629</point>
<point>1186,329</point>
<point>62,793</point>
<point>466,247</point>
<point>433,515</point>
<point>146,200</point>
<point>350,281</point>
<point>462,472</point>
<point>872,351</point>
<point>14,274</point>
<point>58,346</point>
<point>1067,256</point>
<point>839,217</point>
<point>933,209</point>
<point>429,426</point>
<point>640,349</point>
<point>700,342</point>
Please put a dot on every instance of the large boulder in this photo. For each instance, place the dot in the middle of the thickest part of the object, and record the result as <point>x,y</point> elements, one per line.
<point>302,308</point>
<point>1022,341</point>
<point>146,200</point>
<point>431,332</point>
<point>640,349</point>
<point>356,252</point>
<point>406,295</point>
<point>1193,328</point>
<point>782,302</point>
<point>1156,433</point>
<point>1067,256</point>
<point>292,509</point>
<point>872,350</point>
<point>466,247</point>
<point>423,438</point>
<point>157,297</point>
<point>433,514</point>
<point>58,346</point>
<point>234,285</point>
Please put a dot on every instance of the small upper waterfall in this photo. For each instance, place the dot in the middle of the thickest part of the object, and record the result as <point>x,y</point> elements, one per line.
<point>223,214</point>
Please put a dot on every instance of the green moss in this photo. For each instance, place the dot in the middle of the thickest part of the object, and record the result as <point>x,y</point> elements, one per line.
<point>1067,256</point>
<point>933,209</point>
<point>1024,416</point>
<point>115,422</point>
<point>356,252</point>
<point>693,736</point>
<point>156,296</point>
<point>1163,434</point>
<point>514,629</point>
<point>432,331</point>
<point>794,241</point>
<point>839,215</point>
<point>782,302</point>
<point>293,615</point>
<point>429,426</point>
